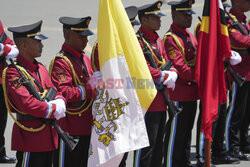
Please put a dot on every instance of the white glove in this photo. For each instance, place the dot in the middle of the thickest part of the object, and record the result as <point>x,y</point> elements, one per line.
<point>60,108</point>
<point>170,81</point>
<point>13,52</point>
<point>94,79</point>
<point>235,58</point>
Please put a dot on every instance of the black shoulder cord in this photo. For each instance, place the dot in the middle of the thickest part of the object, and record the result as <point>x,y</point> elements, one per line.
<point>35,81</point>
<point>79,64</point>
<point>154,49</point>
<point>185,39</point>
<point>245,26</point>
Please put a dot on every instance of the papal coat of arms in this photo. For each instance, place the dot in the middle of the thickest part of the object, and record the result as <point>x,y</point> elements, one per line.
<point>105,111</point>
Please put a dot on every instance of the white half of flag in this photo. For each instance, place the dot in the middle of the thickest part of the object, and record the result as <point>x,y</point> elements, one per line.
<point>118,117</point>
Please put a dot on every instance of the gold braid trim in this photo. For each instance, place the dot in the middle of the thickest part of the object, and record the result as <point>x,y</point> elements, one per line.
<point>163,62</point>
<point>190,63</point>
<point>93,57</point>
<point>7,101</point>
<point>76,82</point>
<point>232,30</point>
<point>237,48</point>
<point>195,30</point>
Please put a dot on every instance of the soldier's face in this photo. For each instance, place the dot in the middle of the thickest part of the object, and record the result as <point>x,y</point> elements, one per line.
<point>77,41</point>
<point>241,5</point>
<point>245,5</point>
<point>182,19</point>
<point>33,47</point>
<point>152,22</point>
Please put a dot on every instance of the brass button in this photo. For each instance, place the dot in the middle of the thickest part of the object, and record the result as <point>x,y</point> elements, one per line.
<point>81,76</point>
<point>189,83</point>
<point>189,50</point>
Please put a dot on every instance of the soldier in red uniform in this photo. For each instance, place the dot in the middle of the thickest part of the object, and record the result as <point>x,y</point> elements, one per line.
<point>239,114</point>
<point>73,75</point>
<point>132,12</point>
<point>155,118</point>
<point>219,152</point>
<point>181,47</point>
<point>7,50</point>
<point>33,140</point>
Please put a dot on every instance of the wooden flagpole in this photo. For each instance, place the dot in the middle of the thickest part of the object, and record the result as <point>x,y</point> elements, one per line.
<point>207,152</point>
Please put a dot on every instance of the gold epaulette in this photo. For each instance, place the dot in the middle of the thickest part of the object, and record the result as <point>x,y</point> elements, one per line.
<point>93,56</point>
<point>190,63</point>
<point>76,81</point>
<point>195,29</point>
<point>60,54</point>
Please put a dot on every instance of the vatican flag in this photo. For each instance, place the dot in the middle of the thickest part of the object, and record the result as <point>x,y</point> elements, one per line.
<point>119,108</point>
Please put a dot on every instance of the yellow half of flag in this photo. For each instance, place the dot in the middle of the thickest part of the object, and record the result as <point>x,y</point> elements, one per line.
<point>116,37</point>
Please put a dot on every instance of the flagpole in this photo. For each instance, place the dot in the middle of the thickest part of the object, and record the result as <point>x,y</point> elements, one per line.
<point>207,152</point>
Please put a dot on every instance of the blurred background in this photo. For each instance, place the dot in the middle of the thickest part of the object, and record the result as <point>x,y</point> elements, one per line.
<point>21,12</point>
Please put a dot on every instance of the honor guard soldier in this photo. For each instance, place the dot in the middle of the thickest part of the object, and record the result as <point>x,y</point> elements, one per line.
<point>132,12</point>
<point>239,113</point>
<point>33,140</point>
<point>72,74</point>
<point>155,55</point>
<point>181,48</point>
<point>7,50</point>
<point>219,152</point>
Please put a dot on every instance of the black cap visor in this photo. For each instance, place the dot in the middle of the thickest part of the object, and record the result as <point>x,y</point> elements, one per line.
<point>136,22</point>
<point>40,37</point>
<point>187,11</point>
<point>159,14</point>
<point>85,33</point>
<point>226,5</point>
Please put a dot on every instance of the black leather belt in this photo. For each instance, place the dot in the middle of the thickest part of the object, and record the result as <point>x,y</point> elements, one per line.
<point>78,104</point>
<point>21,117</point>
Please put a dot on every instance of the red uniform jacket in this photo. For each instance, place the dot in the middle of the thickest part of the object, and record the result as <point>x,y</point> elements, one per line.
<point>152,37</point>
<point>6,49</point>
<point>62,77</point>
<point>241,43</point>
<point>185,89</point>
<point>22,140</point>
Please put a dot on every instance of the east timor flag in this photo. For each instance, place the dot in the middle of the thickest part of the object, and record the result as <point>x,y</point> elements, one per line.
<point>213,49</point>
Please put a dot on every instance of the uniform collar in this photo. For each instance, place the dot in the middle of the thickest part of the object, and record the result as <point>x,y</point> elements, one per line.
<point>238,15</point>
<point>179,29</point>
<point>72,51</point>
<point>30,66</point>
<point>148,34</point>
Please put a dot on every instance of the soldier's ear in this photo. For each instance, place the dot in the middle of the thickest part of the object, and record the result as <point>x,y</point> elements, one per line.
<point>144,19</point>
<point>66,33</point>
<point>22,44</point>
<point>174,15</point>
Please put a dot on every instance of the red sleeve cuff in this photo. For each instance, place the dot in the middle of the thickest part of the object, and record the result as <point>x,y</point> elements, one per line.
<point>89,92</point>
